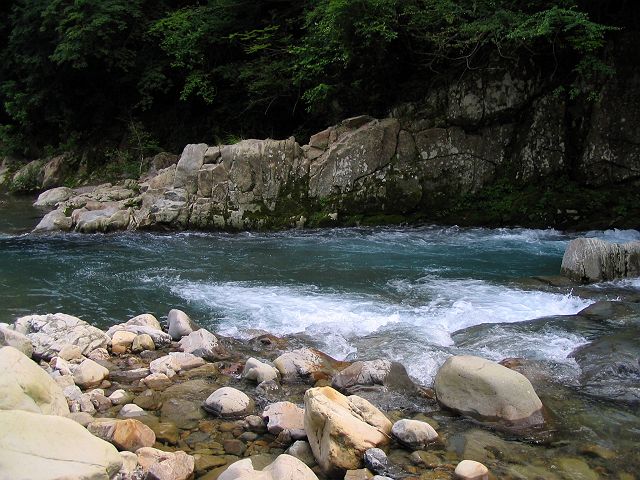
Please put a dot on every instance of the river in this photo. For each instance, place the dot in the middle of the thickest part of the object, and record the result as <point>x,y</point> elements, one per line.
<point>415,295</point>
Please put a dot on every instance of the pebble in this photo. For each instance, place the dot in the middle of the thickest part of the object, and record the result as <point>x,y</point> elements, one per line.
<point>471,470</point>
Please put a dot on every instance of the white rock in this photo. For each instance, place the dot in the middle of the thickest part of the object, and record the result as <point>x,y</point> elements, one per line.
<point>471,470</point>
<point>70,352</point>
<point>145,320</point>
<point>180,325</point>
<point>119,397</point>
<point>285,416</point>
<point>158,336</point>
<point>341,429</point>
<point>306,364</point>
<point>201,343</point>
<point>258,371</point>
<point>26,386</point>
<point>413,433</point>
<point>50,333</point>
<point>228,402</point>
<point>131,410</point>
<point>285,467</point>
<point>47,447</point>
<point>11,338</point>
<point>175,361</point>
<point>89,373</point>
<point>61,365</point>
<point>486,390</point>
<point>129,463</point>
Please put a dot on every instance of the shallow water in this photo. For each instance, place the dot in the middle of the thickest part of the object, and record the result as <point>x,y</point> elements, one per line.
<point>416,295</point>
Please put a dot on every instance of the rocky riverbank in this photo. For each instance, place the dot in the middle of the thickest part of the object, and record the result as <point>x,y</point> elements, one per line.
<point>143,400</point>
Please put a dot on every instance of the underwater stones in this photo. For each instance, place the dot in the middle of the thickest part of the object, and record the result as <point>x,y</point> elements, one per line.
<point>26,386</point>
<point>284,467</point>
<point>49,333</point>
<point>487,391</point>
<point>258,371</point>
<point>228,402</point>
<point>414,433</point>
<point>588,260</point>
<point>341,429</point>
<point>49,447</point>
<point>471,470</point>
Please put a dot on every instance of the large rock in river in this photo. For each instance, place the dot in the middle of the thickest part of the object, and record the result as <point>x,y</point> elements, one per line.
<point>593,260</point>
<point>340,429</point>
<point>49,333</point>
<point>488,391</point>
<point>49,447</point>
<point>26,386</point>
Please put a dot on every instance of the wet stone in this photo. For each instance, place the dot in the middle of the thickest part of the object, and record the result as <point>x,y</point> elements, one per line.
<point>234,447</point>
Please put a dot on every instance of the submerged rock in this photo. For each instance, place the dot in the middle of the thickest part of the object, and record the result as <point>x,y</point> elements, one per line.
<point>50,447</point>
<point>488,391</point>
<point>341,429</point>
<point>593,260</point>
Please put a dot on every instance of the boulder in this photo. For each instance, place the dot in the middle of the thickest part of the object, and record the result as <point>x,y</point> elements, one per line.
<point>28,178</point>
<point>341,429</point>
<point>175,362</point>
<point>144,320</point>
<point>26,386</point>
<point>190,162</point>
<point>11,338</point>
<point>54,221</point>
<point>228,402</point>
<point>285,416</point>
<point>302,451</point>
<point>122,341</point>
<point>471,470</point>
<point>50,447</point>
<point>202,343</point>
<point>377,462</point>
<point>142,343</point>
<point>180,325</point>
<point>127,434</point>
<point>365,375</point>
<point>306,364</point>
<point>414,433</point>
<point>52,197</point>
<point>285,467</point>
<point>160,465</point>
<point>487,391</point>
<point>49,333</point>
<point>89,373</point>
<point>258,371</point>
<point>589,260</point>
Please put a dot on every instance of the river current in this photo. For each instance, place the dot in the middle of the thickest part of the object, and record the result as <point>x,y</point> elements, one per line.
<point>415,295</point>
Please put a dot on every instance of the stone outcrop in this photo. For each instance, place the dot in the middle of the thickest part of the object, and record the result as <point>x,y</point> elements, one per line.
<point>26,386</point>
<point>589,260</point>
<point>51,447</point>
<point>341,429</point>
<point>49,333</point>
<point>488,391</point>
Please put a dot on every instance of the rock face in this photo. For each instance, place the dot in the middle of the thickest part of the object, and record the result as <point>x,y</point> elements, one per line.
<point>341,429</point>
<point>26,386</point>
<point>49,333</point>
<point>487,391</point>
<point>51,447</point>
<point>589,260</point>
<point>285,467</point>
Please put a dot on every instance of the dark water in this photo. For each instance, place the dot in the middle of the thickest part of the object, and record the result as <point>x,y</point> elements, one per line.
<point>415,295</point>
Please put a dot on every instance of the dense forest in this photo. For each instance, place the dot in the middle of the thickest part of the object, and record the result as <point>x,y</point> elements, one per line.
<point>146,75</point>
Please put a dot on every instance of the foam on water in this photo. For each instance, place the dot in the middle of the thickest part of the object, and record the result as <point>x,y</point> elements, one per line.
<point>421,315</point>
